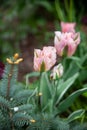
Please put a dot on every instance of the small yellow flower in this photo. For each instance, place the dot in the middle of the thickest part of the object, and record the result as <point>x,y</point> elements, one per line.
<point>33,121</point>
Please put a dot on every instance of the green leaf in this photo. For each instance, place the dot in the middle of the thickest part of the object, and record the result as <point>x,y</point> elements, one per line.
<point>49,106</point>
<point>60,11</point>
<point>83,75</point>
<point>66,5</point>
<point>62,89</point>
<point>85,94</point>
<point>75,63</point>
<point>71,11</point>
<point>75,115</point>
<point>45,4</point>
<point>35,74</point>
<point>70,71</point>
<point>45,89</point>
<point>32,74</point>
<point>70,99</point>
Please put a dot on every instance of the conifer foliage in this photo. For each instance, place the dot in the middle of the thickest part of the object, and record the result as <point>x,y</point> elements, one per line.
<point>13,98</point>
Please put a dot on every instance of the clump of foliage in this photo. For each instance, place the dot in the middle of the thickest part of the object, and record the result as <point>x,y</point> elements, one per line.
<point>48,103</point>
<point>68,10</point>
<point>23,108</point>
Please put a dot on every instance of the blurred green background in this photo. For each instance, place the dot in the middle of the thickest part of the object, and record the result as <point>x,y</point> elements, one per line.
<point>20,18</point>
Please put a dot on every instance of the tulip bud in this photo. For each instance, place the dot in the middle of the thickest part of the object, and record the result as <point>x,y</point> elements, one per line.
<point>68,27</point>
<point>57,71</point>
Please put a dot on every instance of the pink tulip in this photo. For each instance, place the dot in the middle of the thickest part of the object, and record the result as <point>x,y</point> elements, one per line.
<point>68,27</point>
<point>44,59</point>
<point>66,42</point>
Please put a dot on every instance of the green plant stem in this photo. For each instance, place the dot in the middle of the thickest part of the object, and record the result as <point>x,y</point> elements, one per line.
<point>55,85</point>
<point>9,80</point>
<point>38,91</point>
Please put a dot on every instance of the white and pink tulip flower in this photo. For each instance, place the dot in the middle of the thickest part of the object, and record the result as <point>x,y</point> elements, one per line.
<point>45,58</point>
<point>68,27</point>
<point>63,41</point>
<point>57,71</point>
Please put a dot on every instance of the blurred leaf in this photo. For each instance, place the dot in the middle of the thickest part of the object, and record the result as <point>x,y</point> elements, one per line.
<point>71,12</point>
<point>70,99</point>
<point>62,89</point>
<point>75,115</point>
<point>45,4</point>
<point>66,5</point>
<point>85,86</point>
<point>60,11</point>
<point>45,89</point>
<point>73,66</point>
<point>83,76</point>
<point>75,58</point>
<point>28,76</point>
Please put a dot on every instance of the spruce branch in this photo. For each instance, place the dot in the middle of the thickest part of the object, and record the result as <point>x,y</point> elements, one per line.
<point>15,60</point>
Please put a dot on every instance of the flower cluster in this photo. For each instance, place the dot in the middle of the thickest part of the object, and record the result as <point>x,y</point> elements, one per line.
<point>65,42</point>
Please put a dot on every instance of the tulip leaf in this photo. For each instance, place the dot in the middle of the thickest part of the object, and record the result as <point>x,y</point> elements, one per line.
<point>75,63</point>
<point>62,88</point>
<point>32,74</point>
<point>75,115</point>
<point>35,74</point>
<point>45,4</point>
<point>69,100</point>
<point>59,10</point>
<point>45,89</point>
<point>70,71</point>
<point>75,58</point>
